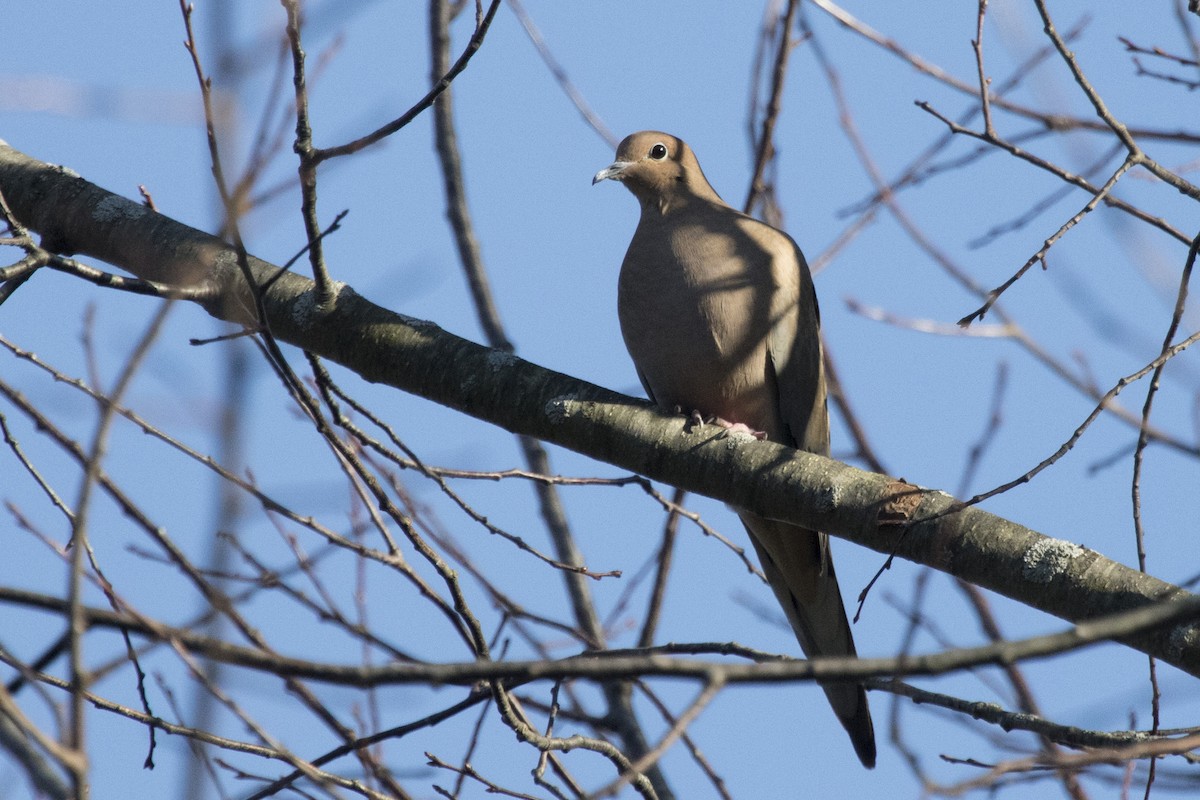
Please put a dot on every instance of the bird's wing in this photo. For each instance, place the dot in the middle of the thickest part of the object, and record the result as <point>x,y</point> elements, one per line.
<point>794,349</point>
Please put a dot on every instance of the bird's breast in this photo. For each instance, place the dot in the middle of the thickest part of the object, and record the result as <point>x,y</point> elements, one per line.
<point>695,314</point>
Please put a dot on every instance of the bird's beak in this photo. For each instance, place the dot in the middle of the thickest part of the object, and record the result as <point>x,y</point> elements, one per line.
<point>613,171</point>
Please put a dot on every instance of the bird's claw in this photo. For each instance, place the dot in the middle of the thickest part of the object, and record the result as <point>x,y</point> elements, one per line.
<point>742,428</point>
<point>696,421</point>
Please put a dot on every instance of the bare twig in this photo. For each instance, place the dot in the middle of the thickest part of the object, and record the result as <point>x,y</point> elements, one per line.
<point>443,83</point>
<point>985,100</point>
<point>666,552</point>
<point>1040,255</point>
<point>307,167</point>
<point>1058,122</point>
<point>1138,460</point>
<point>589,114</point>
<point>764,146</point>
<point>1066,446</point>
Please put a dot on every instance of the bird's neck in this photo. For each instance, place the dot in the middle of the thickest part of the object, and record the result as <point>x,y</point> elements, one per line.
<point>680,199</point>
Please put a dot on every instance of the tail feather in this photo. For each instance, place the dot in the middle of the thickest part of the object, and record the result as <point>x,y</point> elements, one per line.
<point>797,565</point>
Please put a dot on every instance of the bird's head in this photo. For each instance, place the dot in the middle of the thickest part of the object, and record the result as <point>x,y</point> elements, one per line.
<point>658,168</point>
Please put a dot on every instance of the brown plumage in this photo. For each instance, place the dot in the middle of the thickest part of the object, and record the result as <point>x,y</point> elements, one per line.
<point>719,314</point>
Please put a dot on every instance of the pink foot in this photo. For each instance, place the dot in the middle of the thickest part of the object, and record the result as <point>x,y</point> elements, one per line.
<point>740,427</point>
<point>697,420</point>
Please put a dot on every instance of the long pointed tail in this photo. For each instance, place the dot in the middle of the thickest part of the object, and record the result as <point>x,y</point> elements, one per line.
<point>797,564</point>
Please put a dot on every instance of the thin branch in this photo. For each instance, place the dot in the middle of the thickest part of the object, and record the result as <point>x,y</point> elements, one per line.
<point>1157,52</point>
<point>1057,122</point>
<point>324,154</point>
<point>666,552</point>
<point>307,168</point>
<point>677,729</point>
<point>1066,446</point>
<point>450,160</point>
<point>1060,173</point>
<point>994,714</point>
<point>1138,459</point>
<point>764,147</point>
<point>1078,761</point>
<point>1040,255</point>
<point>985,100</point>
<point>1118,128</point>
<point>585,110</point>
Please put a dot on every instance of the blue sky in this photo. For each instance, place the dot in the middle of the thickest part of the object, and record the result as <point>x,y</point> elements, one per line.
<point>110,93</point>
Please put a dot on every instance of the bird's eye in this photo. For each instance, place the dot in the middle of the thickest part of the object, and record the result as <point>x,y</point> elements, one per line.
<point>658,152</point>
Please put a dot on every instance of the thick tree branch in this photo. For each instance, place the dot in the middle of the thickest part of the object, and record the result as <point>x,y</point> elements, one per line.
<point>872,510</point>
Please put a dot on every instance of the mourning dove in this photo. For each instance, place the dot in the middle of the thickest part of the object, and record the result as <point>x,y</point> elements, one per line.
<point>720,316</point>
